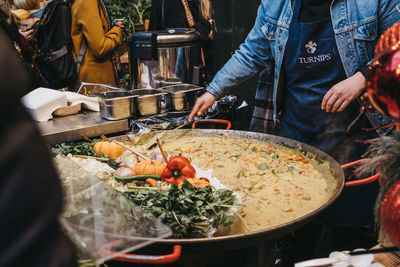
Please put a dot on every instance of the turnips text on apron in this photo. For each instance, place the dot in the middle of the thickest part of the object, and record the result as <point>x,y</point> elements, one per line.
<point>312,66</point>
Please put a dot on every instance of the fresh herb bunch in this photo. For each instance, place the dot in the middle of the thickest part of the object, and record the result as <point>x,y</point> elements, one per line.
<point>132,11</point>
<point>82,148</point>
<point>190,212</point>
<point>77,148</point>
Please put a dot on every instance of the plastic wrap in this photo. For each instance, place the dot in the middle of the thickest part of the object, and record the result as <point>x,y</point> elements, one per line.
<point>224,108</point>
<point>96,217</point>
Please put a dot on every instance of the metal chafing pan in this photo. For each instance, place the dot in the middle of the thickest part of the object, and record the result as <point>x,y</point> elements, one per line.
<point>147,101</point>
<point>182,96</point>
<point>93,89</point>
<point>116,105</point>
<point>195,248</point>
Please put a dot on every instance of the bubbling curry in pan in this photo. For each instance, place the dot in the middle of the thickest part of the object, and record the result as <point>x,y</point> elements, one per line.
<point>277,184</point>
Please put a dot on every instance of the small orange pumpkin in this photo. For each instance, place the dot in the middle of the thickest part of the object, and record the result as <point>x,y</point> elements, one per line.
<point>150,167</point>
<point>110,149</point>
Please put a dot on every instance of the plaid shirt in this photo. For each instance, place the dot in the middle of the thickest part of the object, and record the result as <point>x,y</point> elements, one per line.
<point>263,120</point>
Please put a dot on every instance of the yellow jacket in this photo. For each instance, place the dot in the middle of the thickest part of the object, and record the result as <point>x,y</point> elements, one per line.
<point>89,22</point>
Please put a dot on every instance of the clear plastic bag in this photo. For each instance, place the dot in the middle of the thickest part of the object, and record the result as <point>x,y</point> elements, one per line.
<point>99,219</point>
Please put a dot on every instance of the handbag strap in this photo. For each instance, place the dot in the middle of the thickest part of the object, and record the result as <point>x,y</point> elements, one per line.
<point>79,58</point>
<point>189,15</point>
<point>162,14</point>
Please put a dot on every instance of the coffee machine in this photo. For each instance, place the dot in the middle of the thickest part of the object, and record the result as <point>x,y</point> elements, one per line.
<point>168,57</point>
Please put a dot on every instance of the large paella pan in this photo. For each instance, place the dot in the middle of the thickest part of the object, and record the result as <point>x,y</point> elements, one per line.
<point>329,170</point>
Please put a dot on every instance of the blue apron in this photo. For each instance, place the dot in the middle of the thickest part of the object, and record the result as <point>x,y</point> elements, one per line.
<point>312,65</point>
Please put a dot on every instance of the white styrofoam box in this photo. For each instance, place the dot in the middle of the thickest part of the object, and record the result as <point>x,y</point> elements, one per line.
<point>42,102</point>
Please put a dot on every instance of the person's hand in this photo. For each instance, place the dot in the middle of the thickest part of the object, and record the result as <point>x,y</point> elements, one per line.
<point>27,34</point>
<point>343,93</point>
<point>202,104</point>
<point>119,23</point>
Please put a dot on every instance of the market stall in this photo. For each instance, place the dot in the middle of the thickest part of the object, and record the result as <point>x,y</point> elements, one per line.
<point>244,163</point>
<point>188,197</point>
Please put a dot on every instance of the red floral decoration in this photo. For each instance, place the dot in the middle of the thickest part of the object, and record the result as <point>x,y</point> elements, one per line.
<point>390,213</point>
<point>384,83</point>
<point>384,76</point>
<point>389,40</point>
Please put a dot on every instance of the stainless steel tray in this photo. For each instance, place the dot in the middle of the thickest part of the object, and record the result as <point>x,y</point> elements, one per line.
<point>147,101</point>
<point>182,96</point>
<point>70,128</point>
<point>116,105</point>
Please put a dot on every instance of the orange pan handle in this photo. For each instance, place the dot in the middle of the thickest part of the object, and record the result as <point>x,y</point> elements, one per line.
<point>227,123</point>
<point>134,258</point>
<point>368,180</point>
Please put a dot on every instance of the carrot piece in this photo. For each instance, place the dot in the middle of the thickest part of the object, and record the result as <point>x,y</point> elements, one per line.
<point>270,147</point>
<point>151,182</point>
<point>300,158</point>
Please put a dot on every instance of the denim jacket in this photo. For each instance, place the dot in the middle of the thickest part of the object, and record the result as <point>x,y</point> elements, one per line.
<point>357,26</point>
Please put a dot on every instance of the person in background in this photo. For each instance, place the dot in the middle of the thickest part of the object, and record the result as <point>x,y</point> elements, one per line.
<point>27,32</point>
<point>30,191</point>
<point>27,4</point>
<point>315,52</point>
<point>20,43</point>
<point>172,14</point>
<point>92,27</point>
